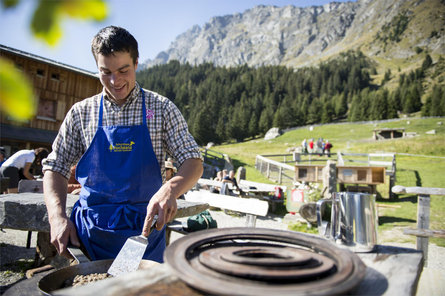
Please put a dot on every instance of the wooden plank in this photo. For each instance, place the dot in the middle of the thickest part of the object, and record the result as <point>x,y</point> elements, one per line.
<point>425,232</point>
<point>380,163</point>
<point>261,186</point>
<point>279,164</point>
<point>245,205</point>
<point>381,154</point>
<point>418,190</point>
<point>423,222</point>
<point>391,271</point>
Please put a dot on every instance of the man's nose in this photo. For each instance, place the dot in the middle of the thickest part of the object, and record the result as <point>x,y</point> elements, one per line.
<point>114,78</point>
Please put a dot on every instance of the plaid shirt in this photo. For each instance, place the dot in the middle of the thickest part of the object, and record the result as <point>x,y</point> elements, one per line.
<point>168,130</point>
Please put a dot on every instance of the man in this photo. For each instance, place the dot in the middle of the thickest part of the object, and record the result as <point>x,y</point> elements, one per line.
<point>230,179</point>
<point>119,167</point>
<point>18,166</point>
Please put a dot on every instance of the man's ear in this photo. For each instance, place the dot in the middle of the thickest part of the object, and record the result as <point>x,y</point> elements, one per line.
<point>136,64</point>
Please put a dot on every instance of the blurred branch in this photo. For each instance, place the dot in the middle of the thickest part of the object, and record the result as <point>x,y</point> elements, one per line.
<point>16,91</point>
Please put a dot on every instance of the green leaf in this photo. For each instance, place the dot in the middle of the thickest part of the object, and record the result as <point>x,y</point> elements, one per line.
<point>85,9</point>
<point>16,93</point>
<point>9,3</point>
<point>47,17</point>
<point>45,22</point>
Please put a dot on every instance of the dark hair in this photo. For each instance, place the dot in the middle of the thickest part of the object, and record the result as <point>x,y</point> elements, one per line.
<point>114,39</point>
<point>41,153</point>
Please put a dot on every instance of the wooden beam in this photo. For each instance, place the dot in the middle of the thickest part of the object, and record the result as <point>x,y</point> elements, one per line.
<point>418,190</point>
<point>252,206</point>
<point>425,232</point>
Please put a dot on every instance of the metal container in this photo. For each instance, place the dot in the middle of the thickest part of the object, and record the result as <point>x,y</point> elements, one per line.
<point>353,220</point>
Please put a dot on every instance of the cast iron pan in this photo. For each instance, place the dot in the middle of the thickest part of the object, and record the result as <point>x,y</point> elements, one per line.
<point>57,279</point>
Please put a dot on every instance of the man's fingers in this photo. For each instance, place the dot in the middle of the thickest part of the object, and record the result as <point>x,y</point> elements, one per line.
<point>147,224</point>
<point>161,219</point>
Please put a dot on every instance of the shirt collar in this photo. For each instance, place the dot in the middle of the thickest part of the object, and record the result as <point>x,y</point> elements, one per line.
<point>133,95</point>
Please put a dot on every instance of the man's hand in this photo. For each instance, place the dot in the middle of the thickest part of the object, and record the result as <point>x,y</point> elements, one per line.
<point>63,232</point>
<point>62,228</point>
<point>163,203</point>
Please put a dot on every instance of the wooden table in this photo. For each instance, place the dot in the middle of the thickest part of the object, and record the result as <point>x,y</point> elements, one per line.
<point>390,271</point>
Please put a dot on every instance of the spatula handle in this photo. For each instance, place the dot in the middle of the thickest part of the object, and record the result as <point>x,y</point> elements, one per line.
<point>153,225</point>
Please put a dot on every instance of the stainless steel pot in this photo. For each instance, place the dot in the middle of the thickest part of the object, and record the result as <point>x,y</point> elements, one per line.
<point>353,220</point>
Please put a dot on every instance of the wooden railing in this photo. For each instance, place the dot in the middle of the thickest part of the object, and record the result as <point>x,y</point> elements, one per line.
<point>422,232</point>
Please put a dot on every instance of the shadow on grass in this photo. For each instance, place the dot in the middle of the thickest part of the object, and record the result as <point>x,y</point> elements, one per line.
<point>236,163</point>
<point>389,220</point>
<point>407,198</point>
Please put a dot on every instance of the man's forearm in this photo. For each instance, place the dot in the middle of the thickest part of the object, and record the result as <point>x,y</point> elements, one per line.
<point>55,190</point>
<point>187,176</point>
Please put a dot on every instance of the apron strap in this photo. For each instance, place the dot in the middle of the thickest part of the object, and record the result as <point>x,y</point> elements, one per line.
<point>144,112</point>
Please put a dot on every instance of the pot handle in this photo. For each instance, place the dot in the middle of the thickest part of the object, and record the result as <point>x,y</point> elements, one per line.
<point>323,225</point>
<point>78,255</point>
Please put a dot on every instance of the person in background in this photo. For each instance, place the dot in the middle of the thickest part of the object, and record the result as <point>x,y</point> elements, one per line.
<point>119,139</point>
<point>311,146</point>
<point>328,147</point>
<point>304,146</point>
<point>170,169</point>
<point>2,155</point>
<point>230,179</point>
<point>17,167</point>
<point>219,178</point>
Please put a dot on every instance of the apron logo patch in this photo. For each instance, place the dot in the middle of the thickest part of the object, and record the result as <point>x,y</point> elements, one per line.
<point>121,147</point>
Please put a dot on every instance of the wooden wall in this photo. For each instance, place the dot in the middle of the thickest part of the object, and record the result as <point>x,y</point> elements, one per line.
<point>56,89</point>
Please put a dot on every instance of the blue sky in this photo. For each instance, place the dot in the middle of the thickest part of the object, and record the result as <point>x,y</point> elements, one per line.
<point>154,23</point>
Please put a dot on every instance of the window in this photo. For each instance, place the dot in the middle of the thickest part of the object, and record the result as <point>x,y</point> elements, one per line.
<point>302,173</point>
<point>46,110</point>
<point>40,72</point>
<point>55,76</point>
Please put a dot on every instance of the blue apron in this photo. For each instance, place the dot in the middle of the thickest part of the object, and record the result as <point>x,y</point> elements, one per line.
<point>119,174</point>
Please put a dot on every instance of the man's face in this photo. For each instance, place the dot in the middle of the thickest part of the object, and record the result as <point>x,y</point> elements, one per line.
<point>117,74</point>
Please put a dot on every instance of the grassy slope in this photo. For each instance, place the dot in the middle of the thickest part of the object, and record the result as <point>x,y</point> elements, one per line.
<point>424,166</point>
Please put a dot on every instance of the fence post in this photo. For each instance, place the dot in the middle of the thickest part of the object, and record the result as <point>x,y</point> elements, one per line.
<point>280,171</point>
<point>423,222</point>
<point>268,170</point>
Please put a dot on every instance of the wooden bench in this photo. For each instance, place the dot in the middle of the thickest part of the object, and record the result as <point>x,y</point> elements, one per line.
<point>422,232</point>
<point>252,207</point>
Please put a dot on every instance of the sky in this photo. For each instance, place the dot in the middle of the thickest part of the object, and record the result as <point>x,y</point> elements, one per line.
<point>154,24</point>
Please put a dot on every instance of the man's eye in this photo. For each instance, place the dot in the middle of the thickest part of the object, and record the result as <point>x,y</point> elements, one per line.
<point>123,71</point>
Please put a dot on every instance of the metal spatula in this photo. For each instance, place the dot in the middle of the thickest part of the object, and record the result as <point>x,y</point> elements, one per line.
<point>130,255</point>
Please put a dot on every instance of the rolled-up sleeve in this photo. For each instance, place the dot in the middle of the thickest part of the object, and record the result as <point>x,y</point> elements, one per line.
<point>180,143</point>
<point>67,147</point>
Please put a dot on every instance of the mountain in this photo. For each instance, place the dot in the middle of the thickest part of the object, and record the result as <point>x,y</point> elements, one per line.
<point>296,37</point>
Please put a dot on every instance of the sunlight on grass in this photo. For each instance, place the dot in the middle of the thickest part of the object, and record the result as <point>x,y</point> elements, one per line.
<point>422,164</point>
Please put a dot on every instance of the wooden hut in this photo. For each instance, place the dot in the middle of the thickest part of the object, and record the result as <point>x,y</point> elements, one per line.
<point>57,87</point>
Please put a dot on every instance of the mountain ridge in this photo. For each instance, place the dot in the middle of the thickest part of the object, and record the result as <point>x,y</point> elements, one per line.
<point>296,37</point>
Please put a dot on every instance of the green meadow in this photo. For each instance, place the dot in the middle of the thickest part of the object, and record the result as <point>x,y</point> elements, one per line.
<point>420,161</point>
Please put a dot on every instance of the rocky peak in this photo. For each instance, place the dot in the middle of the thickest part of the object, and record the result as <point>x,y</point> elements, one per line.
<point>290,36</point>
